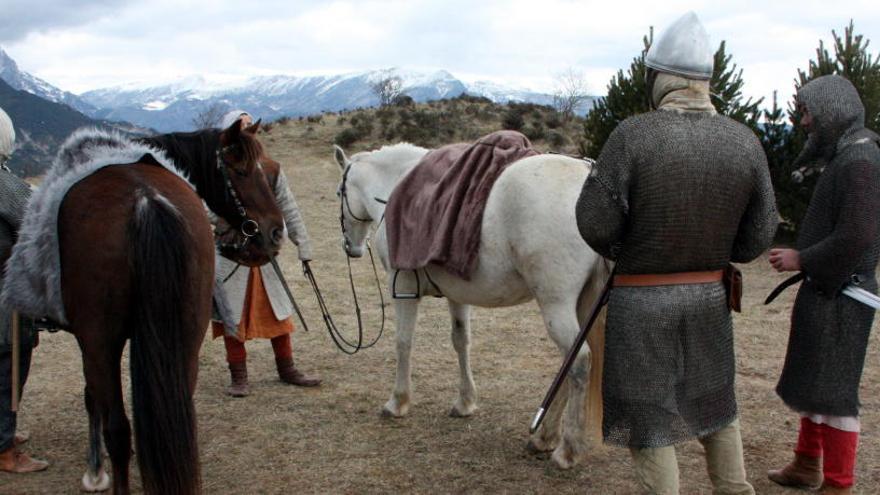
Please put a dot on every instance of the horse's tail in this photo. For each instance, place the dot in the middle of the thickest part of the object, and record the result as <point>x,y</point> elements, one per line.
<point>164,415</point>
<point>596,341</point>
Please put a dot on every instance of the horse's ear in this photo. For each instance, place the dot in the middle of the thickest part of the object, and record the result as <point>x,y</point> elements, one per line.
<point>340,157</point>
<point>254,128</point>
<point>233,132</point>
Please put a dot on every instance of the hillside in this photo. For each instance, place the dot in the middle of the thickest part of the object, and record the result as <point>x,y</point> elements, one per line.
<point>40,127</point>
<point>432,124</point>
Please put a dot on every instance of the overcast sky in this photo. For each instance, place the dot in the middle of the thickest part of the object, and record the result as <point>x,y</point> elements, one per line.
<point>79,45</point>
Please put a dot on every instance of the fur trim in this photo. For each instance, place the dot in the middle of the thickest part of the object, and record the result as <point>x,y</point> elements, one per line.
<point>33,272</point>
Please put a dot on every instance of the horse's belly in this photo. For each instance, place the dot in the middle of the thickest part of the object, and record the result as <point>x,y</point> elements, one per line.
<point>490,286</point>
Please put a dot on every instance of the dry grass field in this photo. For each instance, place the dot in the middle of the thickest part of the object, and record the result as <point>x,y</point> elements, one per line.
<point>283,439</point>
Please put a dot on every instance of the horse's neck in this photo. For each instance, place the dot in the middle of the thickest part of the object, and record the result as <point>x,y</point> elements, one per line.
<point>194,153</point>
<point>390,173</point>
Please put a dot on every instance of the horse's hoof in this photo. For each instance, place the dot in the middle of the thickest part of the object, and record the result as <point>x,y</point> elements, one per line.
<point>564,456</point>
<point>98,483</point>
<point>538,447</point>
<point>388,413</point>
<point>462,412</point>
<point>393,409</point>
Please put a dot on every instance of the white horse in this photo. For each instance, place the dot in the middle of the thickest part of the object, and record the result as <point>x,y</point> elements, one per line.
<point>530,248</point>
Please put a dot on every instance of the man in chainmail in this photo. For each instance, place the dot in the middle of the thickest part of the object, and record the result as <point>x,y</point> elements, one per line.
<point>676,194</point>
<point>839,244</point>
<point>14,194</point>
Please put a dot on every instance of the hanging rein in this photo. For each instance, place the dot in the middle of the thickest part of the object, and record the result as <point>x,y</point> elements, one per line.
<point>341,342</point>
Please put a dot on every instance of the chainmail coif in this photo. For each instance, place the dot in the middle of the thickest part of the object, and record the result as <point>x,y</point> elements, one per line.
<point>839,243</point>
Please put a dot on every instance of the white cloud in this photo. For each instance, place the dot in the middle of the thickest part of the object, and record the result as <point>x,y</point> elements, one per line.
<point>520,42</point>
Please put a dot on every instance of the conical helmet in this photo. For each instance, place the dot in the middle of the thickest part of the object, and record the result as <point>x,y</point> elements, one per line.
<point>7,136</point>
<point>683,49</point>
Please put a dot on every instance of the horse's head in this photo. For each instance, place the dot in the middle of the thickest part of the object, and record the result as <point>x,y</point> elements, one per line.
<point>354,204</point>
<point>255,225</point>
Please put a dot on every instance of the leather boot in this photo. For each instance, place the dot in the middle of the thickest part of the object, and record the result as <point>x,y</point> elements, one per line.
<point>802,472</point>
<point>239,386</point>
<point>833,490</point>
<point>289,374</point>
<point>13,460</point>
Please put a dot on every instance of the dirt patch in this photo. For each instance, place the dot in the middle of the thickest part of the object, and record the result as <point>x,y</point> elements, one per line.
<point>284,439</point>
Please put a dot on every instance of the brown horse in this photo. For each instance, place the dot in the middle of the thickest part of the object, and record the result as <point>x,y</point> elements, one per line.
<point>137,263</point>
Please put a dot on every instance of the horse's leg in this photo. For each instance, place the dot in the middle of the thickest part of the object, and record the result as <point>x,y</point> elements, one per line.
<point>407,312</point>
<point>101,361</point>
<point>549,433</point>
<point>95,478</point>
<point>561,320</point>
<point>461,340</point>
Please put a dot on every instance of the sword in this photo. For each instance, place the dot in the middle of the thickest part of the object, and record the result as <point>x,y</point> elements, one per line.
<point>862,296</point>
<point>852,291</point>
<point>289,294</point>
<point>572,354</point>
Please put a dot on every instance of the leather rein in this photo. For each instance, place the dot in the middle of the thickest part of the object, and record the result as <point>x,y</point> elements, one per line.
<point>343,344</point>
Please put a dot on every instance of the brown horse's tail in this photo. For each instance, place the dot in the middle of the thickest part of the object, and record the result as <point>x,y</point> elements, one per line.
<point>164,416</point>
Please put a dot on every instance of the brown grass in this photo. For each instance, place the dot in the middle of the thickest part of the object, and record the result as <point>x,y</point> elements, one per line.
<point>284,439</point>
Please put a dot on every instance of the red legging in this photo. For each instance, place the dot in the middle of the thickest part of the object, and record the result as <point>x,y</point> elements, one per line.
<point>837,447</point>
<point>236,353</point>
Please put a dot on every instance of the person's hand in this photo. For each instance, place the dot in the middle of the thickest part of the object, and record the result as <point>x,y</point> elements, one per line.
<point>785,260</point>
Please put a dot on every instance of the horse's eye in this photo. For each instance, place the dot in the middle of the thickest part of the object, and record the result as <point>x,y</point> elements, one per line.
<point>240,172</point>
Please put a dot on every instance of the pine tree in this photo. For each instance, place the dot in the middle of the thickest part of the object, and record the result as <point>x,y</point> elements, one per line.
<point>851,60</point>
<point>627,96</point>
<point>727,84</point>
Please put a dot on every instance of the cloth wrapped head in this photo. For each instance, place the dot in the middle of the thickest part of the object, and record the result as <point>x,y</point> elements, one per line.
<point>680,65</point>
<point>234,115</point>
<point>7,137</point>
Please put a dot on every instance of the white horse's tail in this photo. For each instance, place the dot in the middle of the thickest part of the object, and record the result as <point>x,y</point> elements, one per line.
<point>596,340</point>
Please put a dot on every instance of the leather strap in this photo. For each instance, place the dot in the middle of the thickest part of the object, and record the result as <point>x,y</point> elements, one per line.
<point>784,285</point>
<point>656,279</point>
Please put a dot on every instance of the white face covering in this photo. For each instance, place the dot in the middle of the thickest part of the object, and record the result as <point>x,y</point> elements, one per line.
<point>678,94</point>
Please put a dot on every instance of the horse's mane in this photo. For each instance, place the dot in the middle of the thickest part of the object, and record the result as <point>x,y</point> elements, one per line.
<point>251,148</point>
<point>392,153</point>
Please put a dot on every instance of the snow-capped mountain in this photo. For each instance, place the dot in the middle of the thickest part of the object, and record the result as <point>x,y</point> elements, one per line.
<point>20,80</point>
<point>173,106</point>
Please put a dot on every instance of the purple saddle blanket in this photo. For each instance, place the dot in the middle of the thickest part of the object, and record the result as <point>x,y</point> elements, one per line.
<point>435,214</point>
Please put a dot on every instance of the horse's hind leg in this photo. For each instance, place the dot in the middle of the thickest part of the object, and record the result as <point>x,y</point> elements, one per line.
<point>562,323</point>
<point>550,432</point>
<point>407,312</point>
<point>461,340</point>
<point>104,385</point>
<point>96,478</point>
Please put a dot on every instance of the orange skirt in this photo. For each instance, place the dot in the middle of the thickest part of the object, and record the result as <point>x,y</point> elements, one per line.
<point>257,317</point>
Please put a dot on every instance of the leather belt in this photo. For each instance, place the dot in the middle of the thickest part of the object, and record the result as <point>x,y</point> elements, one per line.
<point>656,279</point>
